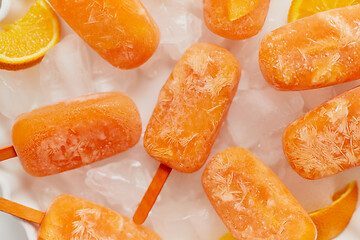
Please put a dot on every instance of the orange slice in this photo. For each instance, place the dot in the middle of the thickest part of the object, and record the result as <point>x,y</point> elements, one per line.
<point>25,42</point>
<point>332,220</point>
<point>304,8</point>
<point>239,8</point>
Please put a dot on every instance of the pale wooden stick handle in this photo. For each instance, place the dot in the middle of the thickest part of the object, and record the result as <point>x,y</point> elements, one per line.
<point>21,211</point>
<point>7,152</point>
<point>151,194</point>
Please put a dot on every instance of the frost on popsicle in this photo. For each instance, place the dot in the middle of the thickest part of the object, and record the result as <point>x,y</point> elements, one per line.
<point>313,52</point>
<point>326,140</point>
<point>235,19</point>
<point>73,218</point>
<point>122,32</point>
<point>191,107</point>
<point>252,201</point>
<point>75,132</point>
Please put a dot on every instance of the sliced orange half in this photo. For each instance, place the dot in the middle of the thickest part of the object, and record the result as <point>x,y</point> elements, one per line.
<point>25,42</point>
<point>239,8</point>
<point>332,220</point>
<point>304,8</point>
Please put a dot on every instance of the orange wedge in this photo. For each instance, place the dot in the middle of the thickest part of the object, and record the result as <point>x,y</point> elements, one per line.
<point>25,42</point>
<point>304,8</point>
<point>332,220</point>
<point>239,8</point>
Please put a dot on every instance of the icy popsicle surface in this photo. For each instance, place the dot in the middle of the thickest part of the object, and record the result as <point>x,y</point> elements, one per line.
<point>235,19</point>
<point>326,140</point>
<point>313,52</point>
<point>122,32</point>
<point>252,201</point>
<point>73,218</point>
<point>192,106</point>
<point>75,132</point>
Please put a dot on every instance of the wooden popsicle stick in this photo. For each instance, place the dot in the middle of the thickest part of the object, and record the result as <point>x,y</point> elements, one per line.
<point>151,194</point>
<point>21,211</point>
<point>7,152</point>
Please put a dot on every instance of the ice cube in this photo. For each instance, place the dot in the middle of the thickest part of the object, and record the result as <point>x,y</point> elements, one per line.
<point>316,97</point>
<point>255,114</point>
<point>179,27</point>
<point>18,91</point>
<point>130,172</point>
<point>109,78</point>
<point>65,71</point>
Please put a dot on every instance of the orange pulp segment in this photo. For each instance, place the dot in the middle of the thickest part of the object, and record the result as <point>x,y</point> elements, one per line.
<point>239,8</point>
<point>304,8</point>
<point>71,217</point>
<point>227,236</point>
<point>235,19</point>
<point>25,42</point>
<point>332,220</point>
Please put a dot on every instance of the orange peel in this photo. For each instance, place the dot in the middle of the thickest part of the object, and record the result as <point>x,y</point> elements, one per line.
<point>25,42</point>
<point>304,8</point>
<point>332,220</point>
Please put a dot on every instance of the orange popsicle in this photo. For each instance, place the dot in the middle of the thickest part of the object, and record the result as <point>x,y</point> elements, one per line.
<point>313,52</point>
<point>191,108</point>
<point>235,19</point>
<point>76,132</point>
<point>326,140</point>
<point>252,201</point>
<point>122,32</point>
<point>74,218</point>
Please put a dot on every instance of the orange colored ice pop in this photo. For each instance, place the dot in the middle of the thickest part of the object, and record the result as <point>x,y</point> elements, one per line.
<point>70,217</point>
<point>191,108</point>
<point>122,32</point>
<point>252,201</point>
<point>74,133</point>
<point>235,19</point>
<point>313,52</point>
<point>326,140</point>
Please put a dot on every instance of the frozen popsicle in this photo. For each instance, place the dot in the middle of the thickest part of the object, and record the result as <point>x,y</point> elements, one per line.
<point>313,52</point>
<point>74,133</point>
<point>191,108</point>
<point>122,32</point>
<point>70,217</point>
<point>252,201</point>
<point>326,140</point>
<point>235,19</point>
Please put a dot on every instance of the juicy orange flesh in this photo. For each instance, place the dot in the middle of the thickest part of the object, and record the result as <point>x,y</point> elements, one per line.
<point>75,132</point>
<point>318,51</point>
<point>332,220</point>
<point>102,25</point>
<point>235,19</point>
<point>70,217</point>
<point>239,8</point>
<point>304,8</point>
<point>29,34</point>
<point>252,201</point>
<point>326,140</point>
<point>191,107</point>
